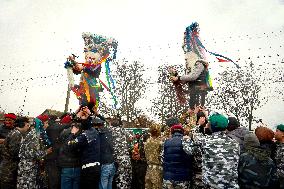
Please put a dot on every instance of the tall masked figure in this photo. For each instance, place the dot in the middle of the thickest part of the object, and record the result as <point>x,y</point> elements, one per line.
<point>99,51</point>
<point>196,68</point>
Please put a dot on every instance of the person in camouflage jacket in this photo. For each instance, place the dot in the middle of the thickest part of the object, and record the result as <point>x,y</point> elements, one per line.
<point>122,178</point>
<point>32,152</point>
<point>220,154</point>
<point>198,130</point>
<point>153,147</point>
<point>9,165</point>
<point>279,156</point>
<point>5,129</point>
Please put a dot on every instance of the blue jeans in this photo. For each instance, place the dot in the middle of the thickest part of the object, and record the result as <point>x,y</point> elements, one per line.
<point>107,174</point>
<point>70,178</point>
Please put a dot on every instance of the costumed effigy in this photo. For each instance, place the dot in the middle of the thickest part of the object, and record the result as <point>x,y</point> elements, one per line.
<point>196,72</point>
<point>99,51</point>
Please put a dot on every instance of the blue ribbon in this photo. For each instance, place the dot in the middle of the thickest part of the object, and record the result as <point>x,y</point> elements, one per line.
<point>111,80</point>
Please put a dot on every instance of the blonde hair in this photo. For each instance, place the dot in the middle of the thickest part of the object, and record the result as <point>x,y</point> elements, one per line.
<point>155,130</point>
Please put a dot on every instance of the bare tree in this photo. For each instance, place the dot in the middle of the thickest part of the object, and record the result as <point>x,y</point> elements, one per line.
<point>242,91</point>
<point>166,104</point>
<point>105,109</point>
<point>130,88</point>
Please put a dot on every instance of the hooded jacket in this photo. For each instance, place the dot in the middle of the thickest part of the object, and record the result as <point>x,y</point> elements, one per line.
<point>238,134</point>
<point>256,168</point>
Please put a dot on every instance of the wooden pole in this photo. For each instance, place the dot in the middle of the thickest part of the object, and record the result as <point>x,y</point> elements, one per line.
<point>67,99</point>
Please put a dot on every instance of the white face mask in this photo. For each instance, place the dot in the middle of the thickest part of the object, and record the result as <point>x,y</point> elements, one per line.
<point>190,59</point>
<point>93,57</point>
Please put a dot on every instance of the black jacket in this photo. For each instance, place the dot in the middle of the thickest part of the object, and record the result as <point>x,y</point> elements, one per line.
<point>89,144</point>
<point>106,141</point>
<point>4,131</point>
<point>68,157</point>
<point>53,132</point>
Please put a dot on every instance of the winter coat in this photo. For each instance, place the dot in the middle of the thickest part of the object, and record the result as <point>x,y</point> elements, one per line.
<point>89,144</point>
<point>220,157</point>
<point>120,146</point>
<point>177,165</point>
<point>30,154</point>
<point>106,146</point>
<point>197,78</point>
<point>10,156</point>
<point>53,132</point>
<point>238,134</point>
<point>279,160</point>
<point>269,146</point>
<point>256,168</point>
<point>68,158</point>
<point>121,158</point>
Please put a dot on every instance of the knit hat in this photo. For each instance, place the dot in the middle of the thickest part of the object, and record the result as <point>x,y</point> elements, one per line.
<point>264,134</point>
<point>172,121</point>
<point>177,128</point>
<point>218,122</point>
<point>233,123</point>
<point>10,115</point>
<point>251,140</point>
<point>66,119</point>
<point>280,127</point>
<point>43,118</point>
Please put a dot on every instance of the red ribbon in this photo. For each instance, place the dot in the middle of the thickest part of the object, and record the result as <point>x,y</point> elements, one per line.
<point>104,85</point>
<point>222,60</point>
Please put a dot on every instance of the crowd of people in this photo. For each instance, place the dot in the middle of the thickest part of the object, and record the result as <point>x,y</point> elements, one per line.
<point>85,150</point>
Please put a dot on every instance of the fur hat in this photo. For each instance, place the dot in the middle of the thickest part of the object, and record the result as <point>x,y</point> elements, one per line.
<point>280,127</point>
<point>264,134</point>
<point>177,128</point>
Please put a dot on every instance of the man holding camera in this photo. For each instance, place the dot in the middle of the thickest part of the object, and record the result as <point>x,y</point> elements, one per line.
<point>89,144</point>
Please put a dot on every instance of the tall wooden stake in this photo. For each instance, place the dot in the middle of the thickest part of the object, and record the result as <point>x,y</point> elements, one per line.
<point>67,99</point>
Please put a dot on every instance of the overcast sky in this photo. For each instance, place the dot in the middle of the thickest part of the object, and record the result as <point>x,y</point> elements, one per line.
<point>37,36</point>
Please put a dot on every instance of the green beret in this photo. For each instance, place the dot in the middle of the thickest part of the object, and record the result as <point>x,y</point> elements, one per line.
<point>218,121</point>
<point>280,127</point>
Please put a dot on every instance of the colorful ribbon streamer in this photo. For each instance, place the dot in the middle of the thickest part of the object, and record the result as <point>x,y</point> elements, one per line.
<point>215,54</point>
